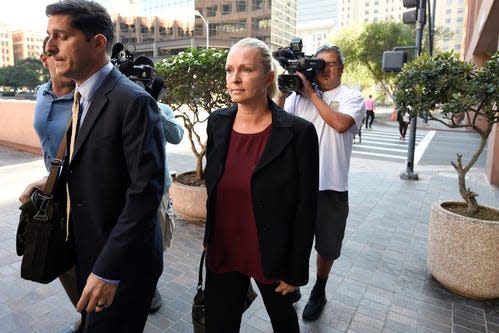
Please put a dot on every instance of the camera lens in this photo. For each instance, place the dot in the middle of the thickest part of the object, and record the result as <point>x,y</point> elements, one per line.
<point>289,82</point>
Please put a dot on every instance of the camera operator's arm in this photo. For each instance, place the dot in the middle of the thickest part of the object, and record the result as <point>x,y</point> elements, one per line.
<point>172,130</point>
<point>339,121</point>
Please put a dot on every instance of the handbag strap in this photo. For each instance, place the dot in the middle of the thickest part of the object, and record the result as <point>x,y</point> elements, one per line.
<point>56,165</point>
<point>201,264</point>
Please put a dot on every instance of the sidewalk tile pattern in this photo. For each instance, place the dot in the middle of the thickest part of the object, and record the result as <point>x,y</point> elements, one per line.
<point>379,284</point>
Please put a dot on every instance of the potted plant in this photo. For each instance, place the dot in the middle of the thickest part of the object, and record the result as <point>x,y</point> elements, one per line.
<point>195,82</point>
<point>463,239</point>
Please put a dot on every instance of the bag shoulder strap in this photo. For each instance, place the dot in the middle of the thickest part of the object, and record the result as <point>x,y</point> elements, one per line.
<point>201,264</point>
<point>56,165</point>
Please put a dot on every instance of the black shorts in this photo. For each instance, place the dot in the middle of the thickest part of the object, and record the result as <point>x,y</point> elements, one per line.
<point>332,213</point>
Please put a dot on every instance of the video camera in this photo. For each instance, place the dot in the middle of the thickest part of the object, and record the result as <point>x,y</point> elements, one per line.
<point>293,59</point>
<point>140,70</point>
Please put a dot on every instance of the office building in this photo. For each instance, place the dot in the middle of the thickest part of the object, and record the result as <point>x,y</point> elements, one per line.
<point>481,40</point>
<point>229,20</point>
<point>449,17</point>
<point>27,44</point>
<point>273,22</point>
<point>315,22</point>
<point>6,48</point>
<point>366,11</point>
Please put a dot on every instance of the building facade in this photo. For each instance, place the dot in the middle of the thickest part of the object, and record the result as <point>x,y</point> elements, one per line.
<point>27,44</point>
<point>481,40</point>
<point>6,47</point>
<point>366,11</point>
<point>315,22</point>
<point>449,17</point>
<point>272,21</point>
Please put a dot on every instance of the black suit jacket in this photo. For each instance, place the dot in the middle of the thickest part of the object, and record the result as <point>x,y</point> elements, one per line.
<point>116,182</point>
<point>284,187</point>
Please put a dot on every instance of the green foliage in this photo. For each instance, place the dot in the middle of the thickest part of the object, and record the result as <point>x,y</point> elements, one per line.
<point>195,79</point>
<point>364,48</point>
<point>445,85</point>
<point>27,73</point>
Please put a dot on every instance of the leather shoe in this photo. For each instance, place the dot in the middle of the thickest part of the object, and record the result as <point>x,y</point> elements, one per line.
<point>295,295</point>
<point>73,328</point>
<point>314,306</point>
<point>156,302</point>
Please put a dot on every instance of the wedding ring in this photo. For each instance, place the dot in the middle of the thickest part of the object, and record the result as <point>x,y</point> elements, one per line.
<point>100,305</point>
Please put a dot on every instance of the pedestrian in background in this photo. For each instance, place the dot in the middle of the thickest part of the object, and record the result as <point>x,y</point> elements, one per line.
<point>337,112</point>
<point>370,105</point>
<point>403,120</point>
<point>115,173</point>
<point>262,181</point>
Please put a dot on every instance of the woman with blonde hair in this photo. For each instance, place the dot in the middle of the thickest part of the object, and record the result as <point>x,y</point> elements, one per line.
<point>262,182</point>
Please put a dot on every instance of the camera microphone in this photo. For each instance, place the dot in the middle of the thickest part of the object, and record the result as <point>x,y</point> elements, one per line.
<point>117,48</point>
<point>125,67</point>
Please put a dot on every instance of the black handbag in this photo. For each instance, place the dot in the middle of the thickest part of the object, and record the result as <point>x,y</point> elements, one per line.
<point>41,233</point>
<point>198,305</point>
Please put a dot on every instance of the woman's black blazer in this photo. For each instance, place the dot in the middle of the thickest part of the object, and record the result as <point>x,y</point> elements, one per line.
<point>284,187</point>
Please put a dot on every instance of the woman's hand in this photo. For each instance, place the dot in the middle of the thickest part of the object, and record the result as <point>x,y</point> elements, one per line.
<point>284,288</point>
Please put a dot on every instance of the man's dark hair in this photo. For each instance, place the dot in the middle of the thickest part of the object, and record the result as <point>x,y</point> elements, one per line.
<point>88,16</point>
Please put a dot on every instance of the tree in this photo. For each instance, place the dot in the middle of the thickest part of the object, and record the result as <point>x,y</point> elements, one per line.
<point>195,78</point>
<point>27,73</point>
<point>454,87</point>
<point>365,47</point>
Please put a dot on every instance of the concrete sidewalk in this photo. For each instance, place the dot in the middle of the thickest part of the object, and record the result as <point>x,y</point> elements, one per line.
<point>379,284</point>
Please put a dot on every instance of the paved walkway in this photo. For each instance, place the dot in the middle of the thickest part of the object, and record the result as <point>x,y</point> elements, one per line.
<point>379,284</point>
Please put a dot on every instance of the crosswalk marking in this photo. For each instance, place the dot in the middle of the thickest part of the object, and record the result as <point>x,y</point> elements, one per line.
<point>383,142</point>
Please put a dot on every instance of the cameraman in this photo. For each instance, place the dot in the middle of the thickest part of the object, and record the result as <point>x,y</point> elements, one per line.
<point>337,112</point>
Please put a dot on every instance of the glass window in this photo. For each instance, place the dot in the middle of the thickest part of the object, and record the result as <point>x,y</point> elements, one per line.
<point>211,11</point>
<point>241,6</point>
<point>257,4</point>
<point>226,9</point>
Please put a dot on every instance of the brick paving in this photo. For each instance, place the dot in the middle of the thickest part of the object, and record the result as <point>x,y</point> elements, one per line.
<point>379,284</point>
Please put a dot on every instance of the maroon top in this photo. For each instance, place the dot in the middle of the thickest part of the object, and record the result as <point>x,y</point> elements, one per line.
<point>234,245</point>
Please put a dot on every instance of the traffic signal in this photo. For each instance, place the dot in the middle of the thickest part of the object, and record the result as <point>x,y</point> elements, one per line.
<point>411,16</point>
<point>393,61</point>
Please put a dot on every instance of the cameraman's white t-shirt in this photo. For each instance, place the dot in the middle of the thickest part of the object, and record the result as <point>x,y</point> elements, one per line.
<point>335,149</point>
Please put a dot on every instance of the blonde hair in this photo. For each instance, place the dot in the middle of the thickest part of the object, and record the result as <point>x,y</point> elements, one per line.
<point>269,63</point>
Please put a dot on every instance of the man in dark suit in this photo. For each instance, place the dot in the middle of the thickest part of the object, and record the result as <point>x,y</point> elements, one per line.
<point>115,174</point>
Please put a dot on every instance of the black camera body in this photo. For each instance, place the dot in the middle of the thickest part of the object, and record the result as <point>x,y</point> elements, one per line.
<point>140,69</point>
<point>293,60</point>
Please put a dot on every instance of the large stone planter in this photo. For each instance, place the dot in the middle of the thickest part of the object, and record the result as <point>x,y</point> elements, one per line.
<point>463,253</point>
<point>189,202</point>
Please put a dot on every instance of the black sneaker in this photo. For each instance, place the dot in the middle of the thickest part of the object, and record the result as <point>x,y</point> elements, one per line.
<point>295,295</point>
<point>156,302</point>
<point>315,305</point>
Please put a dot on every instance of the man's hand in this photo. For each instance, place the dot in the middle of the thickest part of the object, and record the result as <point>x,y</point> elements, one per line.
<point>284,288</point>
<point>307,90</point>
<point>97,295</point>
<point>37,185</point>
